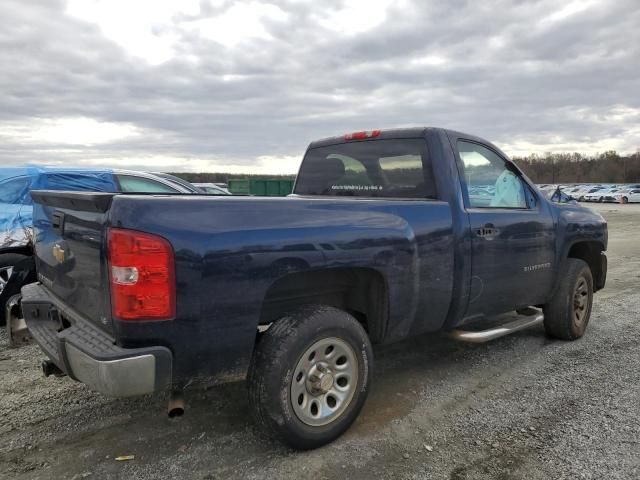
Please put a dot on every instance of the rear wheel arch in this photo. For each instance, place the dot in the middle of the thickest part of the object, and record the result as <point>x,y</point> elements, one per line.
<point>361,292</point>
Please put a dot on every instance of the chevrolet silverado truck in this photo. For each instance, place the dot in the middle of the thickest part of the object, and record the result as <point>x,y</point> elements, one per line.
<point>388,234</point>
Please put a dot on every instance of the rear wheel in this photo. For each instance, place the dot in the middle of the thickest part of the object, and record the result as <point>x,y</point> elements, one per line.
<point>310,376</point>
<point>567,315</point>
<point>7,262</point>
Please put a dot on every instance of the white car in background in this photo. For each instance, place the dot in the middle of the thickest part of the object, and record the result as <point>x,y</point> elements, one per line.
<point>579,195</point>
<point>574,191</point>
<point>610,195</point>
<point>603,194</point>
<point>628,196</point>
<point>597,195</point>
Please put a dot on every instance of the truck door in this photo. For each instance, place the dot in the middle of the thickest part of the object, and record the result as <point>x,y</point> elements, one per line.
<point>512,233</point>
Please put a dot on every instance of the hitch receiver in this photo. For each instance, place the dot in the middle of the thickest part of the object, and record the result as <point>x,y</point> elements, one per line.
<point>49,368</point>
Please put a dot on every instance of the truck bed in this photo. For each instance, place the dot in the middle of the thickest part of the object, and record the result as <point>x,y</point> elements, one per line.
<point>231,253</point>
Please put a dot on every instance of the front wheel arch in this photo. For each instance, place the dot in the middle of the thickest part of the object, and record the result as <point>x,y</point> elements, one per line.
<point>591,252</point>
<point>567,313</point>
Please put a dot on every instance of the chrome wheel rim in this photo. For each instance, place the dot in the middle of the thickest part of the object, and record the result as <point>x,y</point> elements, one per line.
<point>324,381</point>
<point>580,302</point>
<point>5,274</point>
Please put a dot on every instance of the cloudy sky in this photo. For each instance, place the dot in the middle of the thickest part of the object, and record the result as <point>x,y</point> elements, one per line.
<point>244,86</point>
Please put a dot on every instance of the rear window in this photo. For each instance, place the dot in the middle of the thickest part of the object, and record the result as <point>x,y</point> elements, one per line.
<point>377,168</point>
<point>133,184</point>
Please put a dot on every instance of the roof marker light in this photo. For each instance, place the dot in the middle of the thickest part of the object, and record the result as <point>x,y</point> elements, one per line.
<point>362,135</point>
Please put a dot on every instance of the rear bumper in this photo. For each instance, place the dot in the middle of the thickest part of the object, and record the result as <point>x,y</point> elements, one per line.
<point>88,354</point>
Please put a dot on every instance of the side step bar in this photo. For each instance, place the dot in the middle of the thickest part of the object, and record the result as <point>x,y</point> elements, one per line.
<point>480,336</point>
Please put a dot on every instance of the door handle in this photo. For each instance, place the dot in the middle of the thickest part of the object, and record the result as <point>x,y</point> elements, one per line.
<point>487,232</point>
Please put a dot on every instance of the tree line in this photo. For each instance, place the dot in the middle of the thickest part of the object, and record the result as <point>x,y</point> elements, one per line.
<point>607,167</point>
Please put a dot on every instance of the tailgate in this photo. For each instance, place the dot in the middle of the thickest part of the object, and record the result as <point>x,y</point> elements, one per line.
<point>70,231</point>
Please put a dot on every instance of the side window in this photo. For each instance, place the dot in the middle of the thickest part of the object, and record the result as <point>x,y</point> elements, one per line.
<point>132,184</point>
<point>489,182</point>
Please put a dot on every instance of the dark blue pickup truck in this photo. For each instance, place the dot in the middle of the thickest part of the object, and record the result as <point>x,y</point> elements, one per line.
<point>388,234</point>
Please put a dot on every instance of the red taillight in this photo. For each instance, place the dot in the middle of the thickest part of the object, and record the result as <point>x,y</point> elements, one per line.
<point>141,270</point>
<point>362,135</point>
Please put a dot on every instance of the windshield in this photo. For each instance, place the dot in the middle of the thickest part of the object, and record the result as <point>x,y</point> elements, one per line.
<point>379,168</point>
<point>177,180</point>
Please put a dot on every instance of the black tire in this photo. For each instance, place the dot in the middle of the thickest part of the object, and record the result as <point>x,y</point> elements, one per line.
<point>275,361</point>
<point>625,200</point>
<point>7,260</point>
<point>567,315</point>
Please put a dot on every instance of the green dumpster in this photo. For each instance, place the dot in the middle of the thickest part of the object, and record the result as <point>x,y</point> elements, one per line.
<point>261,186</point>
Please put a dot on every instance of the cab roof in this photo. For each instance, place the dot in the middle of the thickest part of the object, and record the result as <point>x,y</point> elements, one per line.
<point>399,133</point>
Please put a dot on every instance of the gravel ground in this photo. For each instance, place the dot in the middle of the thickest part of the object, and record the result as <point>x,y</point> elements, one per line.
<point>522,406</point>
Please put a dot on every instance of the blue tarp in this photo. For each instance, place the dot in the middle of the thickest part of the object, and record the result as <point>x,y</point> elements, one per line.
<point>16,210</point>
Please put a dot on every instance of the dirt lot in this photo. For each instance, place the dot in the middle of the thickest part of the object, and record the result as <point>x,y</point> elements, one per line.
<point>522,406</point>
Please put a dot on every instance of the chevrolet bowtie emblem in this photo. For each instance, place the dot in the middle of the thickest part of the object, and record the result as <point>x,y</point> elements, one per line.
<point>58,253</point>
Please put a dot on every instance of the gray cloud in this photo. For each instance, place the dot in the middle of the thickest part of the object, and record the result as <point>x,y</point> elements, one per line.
<point>514,72</point>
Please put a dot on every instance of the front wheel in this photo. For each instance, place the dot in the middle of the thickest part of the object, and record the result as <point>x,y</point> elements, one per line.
<point>310,376</point>
<point>625,200</point>
<point>567,315</point>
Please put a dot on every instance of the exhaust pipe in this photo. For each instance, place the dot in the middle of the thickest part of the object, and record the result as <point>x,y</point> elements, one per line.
<point>175,408</point>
